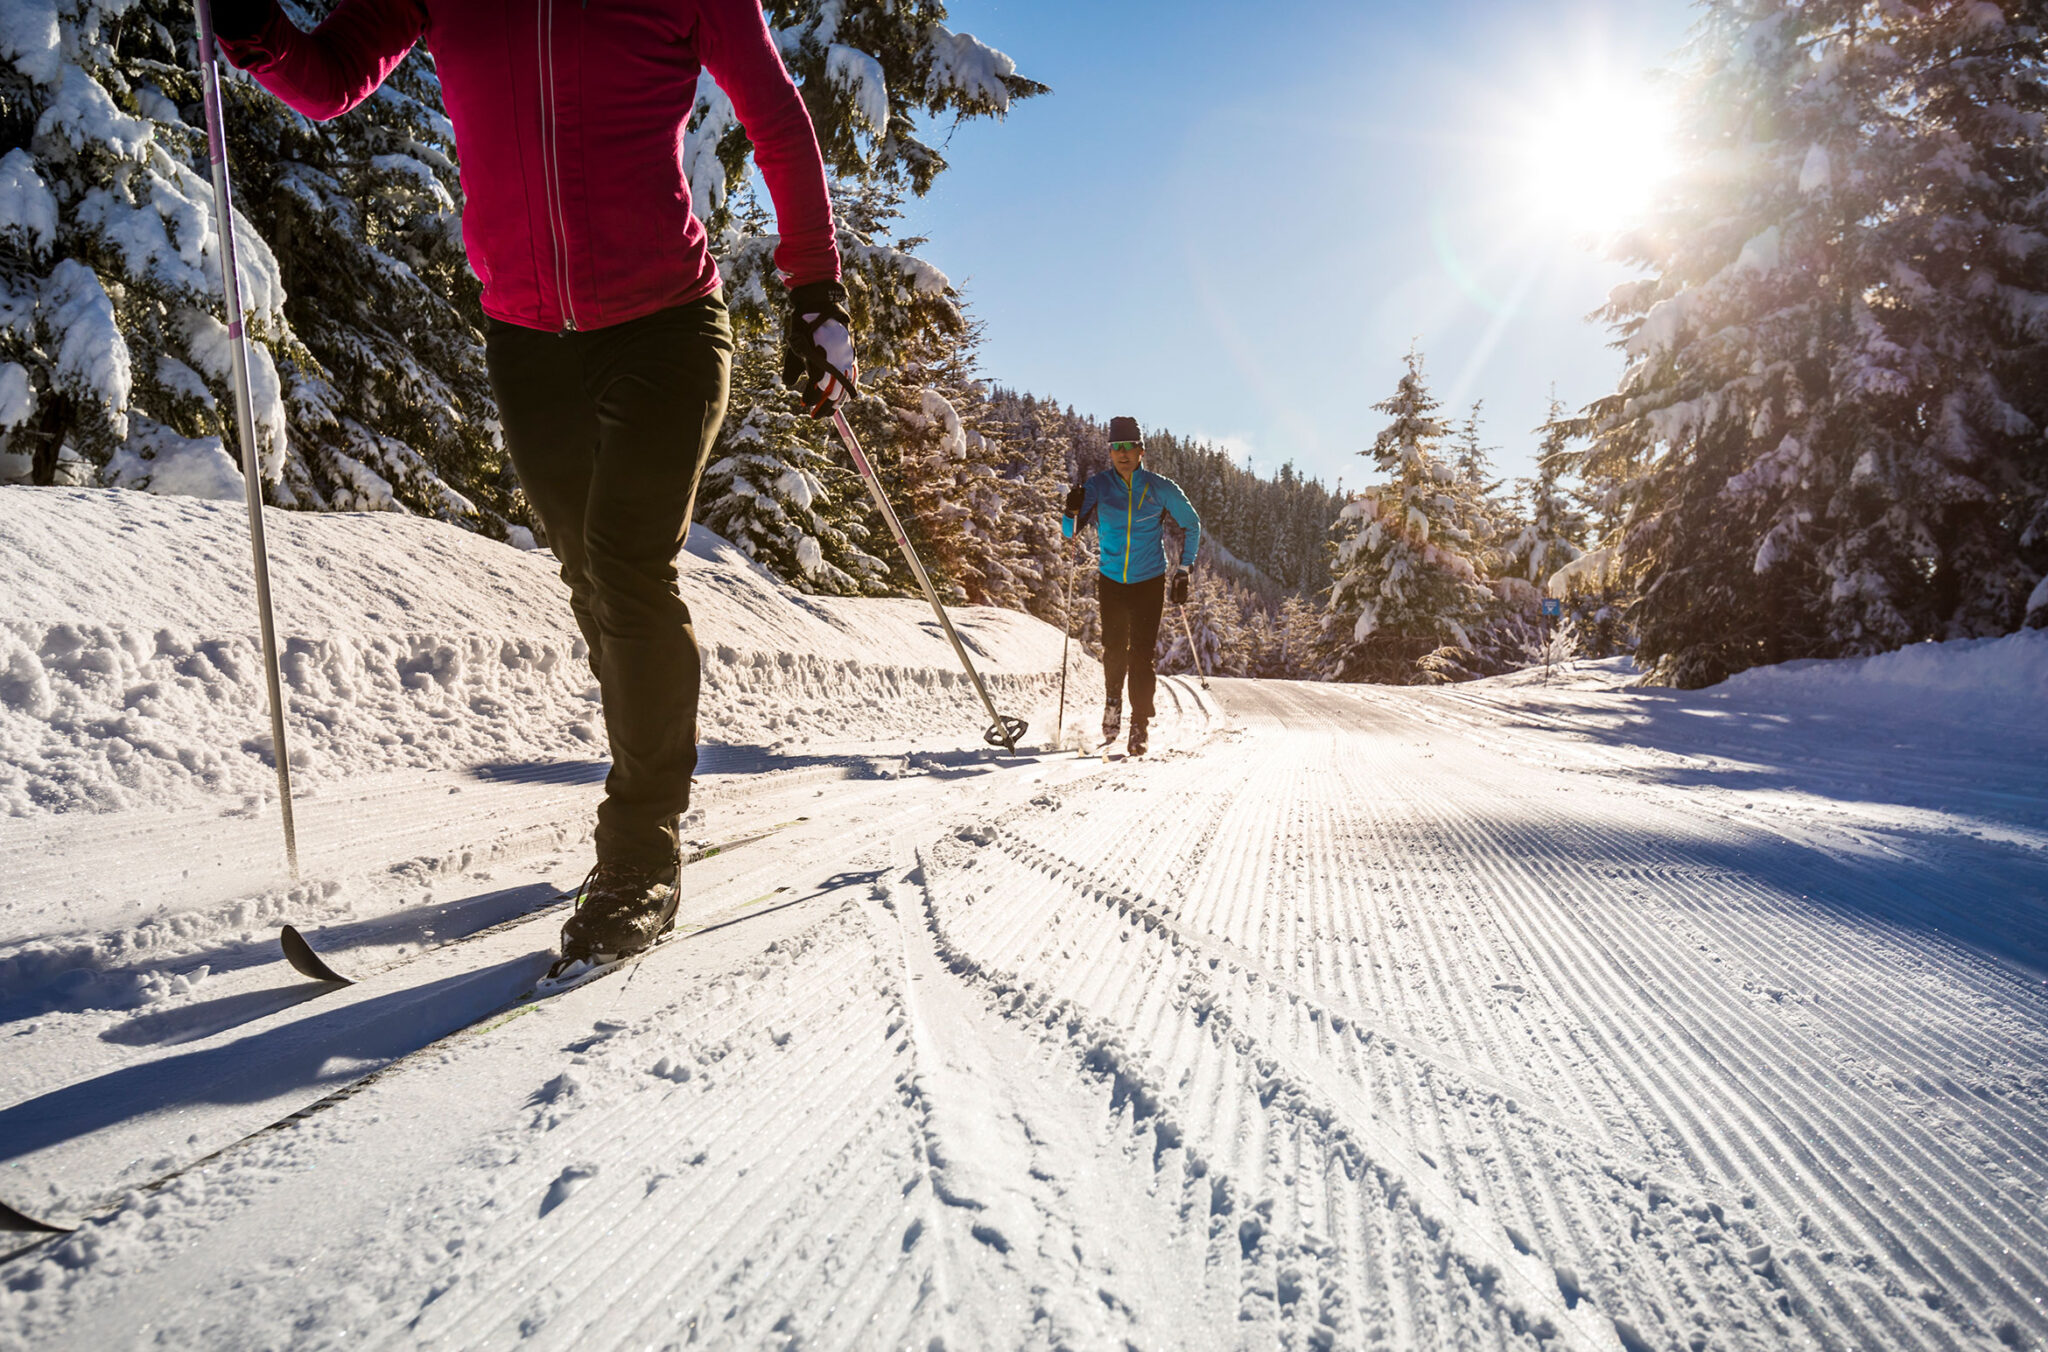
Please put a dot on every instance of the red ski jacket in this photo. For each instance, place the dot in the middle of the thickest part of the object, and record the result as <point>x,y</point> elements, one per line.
<point>569,118</point>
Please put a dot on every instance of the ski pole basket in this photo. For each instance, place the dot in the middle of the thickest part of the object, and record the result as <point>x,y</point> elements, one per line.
<point>1005,732</point>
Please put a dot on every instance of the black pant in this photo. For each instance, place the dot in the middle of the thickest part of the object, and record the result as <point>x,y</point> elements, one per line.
<point>609,430</point>
<point>1130,631</point>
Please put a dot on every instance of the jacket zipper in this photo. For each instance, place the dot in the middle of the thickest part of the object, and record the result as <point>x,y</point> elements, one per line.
<point>1133,500</point>
<point>551,171</point>
<point>1130,506</point>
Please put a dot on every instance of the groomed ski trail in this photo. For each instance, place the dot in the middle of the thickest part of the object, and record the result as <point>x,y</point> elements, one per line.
<point>1387,1019</point>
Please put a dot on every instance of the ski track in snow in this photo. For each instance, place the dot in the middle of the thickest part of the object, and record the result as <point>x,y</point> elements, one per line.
<point>1380,1018</point>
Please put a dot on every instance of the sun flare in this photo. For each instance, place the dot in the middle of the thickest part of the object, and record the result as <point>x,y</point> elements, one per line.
<point>1592,159</point>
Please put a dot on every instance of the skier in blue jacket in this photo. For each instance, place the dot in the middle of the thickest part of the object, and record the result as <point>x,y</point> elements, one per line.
<point>1127,504</point>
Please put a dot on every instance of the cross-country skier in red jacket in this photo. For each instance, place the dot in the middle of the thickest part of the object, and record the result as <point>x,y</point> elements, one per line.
<point>608,342</point>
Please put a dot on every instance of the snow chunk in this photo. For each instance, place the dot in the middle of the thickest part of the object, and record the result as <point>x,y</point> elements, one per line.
<point>1761,253</point>
<point>794,487</point>
<point>156,458</point>
<point>1984,16</point>
<point>17,397</point>
<point>964,63</point>
<point>29,37</point>
<point>208,341</point>
<point>1592,571</point>
<point>182,380</point>
<point>710,120</point>
<point>156,106</point>
<point>1816,174</point>
<point>925,279</point>
<point>92,356</point>
<point>2037,603</point>
<point>28,211</point>
<point>418,172</point>
<point>86,115</point>
<point>1660,328</point>
<point>953,442</point>
<point>860,75</point>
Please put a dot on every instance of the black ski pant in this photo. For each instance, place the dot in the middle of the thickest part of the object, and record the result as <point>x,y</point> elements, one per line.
<point>1130,631</point>
<point>609,430</point>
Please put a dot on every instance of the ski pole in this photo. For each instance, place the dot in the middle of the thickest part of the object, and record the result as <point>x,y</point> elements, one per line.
<point>1059,736</point>
<point>245,425</point>
<point>1002,731</point>
<point>1194,657</point>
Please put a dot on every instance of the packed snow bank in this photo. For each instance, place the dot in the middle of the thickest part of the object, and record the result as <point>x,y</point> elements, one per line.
<point>131,674</point>
<point>1964,673</point>
<point>1958,679</point>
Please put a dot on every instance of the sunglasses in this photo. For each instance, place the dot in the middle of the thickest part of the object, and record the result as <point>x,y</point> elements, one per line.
<point>1127,445</point>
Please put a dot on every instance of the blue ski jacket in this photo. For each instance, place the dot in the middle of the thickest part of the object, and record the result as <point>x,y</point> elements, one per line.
<point>1127,523</point>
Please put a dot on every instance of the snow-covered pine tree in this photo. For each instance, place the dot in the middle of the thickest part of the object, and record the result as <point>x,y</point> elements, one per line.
<point>1038,463</point>
<point>1553,531</point>
<point>868,71</point>
<point>368,382</point>
<point>1218,619</point>
<point>946,472</point>
<point>1829,427</point>
<point>766,487</point>
<point>1481,514</point>
<point>113,361</point>
<point>364,212</point>
<point>1299,648</point>
<point>1404,580</point>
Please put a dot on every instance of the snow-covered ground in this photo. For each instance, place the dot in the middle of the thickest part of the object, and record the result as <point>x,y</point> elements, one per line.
<point>1519,1013</point>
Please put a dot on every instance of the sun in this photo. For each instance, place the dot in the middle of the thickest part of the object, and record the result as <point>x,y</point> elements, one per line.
<point>1590,159</point>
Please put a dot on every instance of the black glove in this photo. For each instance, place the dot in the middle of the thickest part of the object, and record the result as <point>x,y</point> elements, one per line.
<point>237,19</point>
<point>817,347</point>
<point>1180,586</point>
<point>1075,497</point>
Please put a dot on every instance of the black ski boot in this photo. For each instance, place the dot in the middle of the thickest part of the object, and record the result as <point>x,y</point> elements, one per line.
<point>1138,731</point>
<point>1112,720</point>
<point>620,910</point>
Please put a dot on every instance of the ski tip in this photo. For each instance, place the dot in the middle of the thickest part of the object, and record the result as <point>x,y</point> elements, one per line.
<point>305,961</point>
<point>20,1223</point>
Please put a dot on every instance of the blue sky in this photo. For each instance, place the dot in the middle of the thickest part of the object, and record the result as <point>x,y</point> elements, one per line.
<point>1232,220</point>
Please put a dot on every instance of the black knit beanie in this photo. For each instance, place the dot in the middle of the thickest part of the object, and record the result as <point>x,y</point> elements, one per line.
<point>1124,429</point>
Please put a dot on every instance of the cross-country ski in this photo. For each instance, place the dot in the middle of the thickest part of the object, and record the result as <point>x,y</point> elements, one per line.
<point>848,675</point>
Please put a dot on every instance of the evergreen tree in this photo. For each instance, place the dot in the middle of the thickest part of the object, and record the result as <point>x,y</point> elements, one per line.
<point>772,483</point>
<point>366,356</point>
<point>1404,580</point>
<point>984,518</point>
<point>1037,470</point>
<point>1829,430</point>
<point>1553,531</point>
<point>112,358</point>
<point>1298,651</point>
<point>867,70</point>
<point>394,410</point>
<point>1481,515</point>
<point>1218,618</point>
